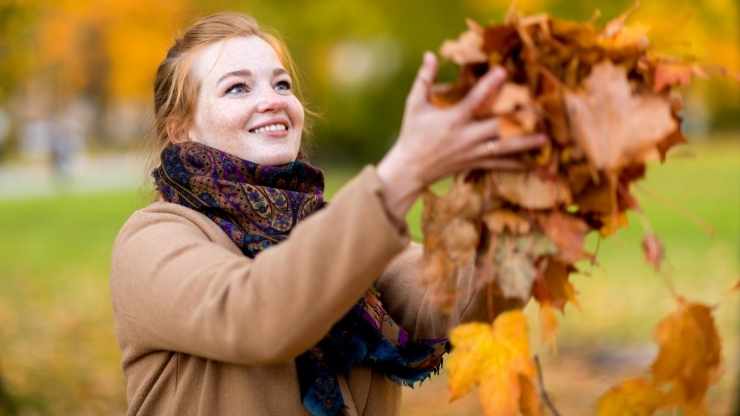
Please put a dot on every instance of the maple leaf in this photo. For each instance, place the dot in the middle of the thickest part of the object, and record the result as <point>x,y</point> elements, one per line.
<point>637,397</point>
<point>568,233</point>
<point>612,124</point>
<point>514,257</point>
<point>552,286</point>
<point>688,362</point>
<point>689,358</point>
<point>496,357</point>
<point>668,74</point>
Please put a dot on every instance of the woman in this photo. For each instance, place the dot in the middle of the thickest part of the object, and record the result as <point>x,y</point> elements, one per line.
<point>213,316</point>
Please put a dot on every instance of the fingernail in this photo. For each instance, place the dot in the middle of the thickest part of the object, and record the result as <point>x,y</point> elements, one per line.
<point>499,72</point>
<point>427,57</point>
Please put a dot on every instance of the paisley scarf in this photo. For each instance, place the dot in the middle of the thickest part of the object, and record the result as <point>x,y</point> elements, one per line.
<point>257,206</point>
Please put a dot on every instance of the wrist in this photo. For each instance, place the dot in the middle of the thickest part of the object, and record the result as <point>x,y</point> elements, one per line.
<point>400,183</point>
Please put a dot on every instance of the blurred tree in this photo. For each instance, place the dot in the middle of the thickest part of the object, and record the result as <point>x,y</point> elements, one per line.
<point>359,57</point>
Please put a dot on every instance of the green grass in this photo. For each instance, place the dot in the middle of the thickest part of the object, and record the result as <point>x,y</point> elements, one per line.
<point>55,306</point>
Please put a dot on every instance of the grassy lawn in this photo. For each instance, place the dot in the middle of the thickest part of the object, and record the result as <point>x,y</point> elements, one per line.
<point>59,356</point>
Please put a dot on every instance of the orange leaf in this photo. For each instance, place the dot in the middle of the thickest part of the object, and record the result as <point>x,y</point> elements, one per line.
<point>637,397</point>
<point>611,124</point>
<point>568,233</point>
<point>689,356</point>
<point>553,287</point>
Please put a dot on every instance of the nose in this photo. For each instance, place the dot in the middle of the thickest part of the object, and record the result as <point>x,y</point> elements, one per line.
<point>271,101</point>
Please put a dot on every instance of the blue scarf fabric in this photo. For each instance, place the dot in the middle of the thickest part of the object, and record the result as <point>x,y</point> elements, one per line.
<point>257,206</point>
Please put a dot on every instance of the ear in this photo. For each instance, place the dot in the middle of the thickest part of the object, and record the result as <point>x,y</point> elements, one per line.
<point>176,131</point>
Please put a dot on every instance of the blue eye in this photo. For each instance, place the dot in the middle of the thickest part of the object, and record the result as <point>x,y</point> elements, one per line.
<point>285,85</point>
<point>238,88</point>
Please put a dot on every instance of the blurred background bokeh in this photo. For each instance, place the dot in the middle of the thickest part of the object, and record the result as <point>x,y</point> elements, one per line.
<point>76,128</point>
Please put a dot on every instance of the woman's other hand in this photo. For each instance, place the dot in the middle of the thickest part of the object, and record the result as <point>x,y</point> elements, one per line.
<point>438,142</point>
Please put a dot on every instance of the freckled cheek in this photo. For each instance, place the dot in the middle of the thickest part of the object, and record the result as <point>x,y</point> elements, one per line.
<point>230,117</point>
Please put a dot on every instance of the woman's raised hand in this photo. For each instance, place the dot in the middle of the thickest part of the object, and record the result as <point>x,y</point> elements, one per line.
<point>438,142</point>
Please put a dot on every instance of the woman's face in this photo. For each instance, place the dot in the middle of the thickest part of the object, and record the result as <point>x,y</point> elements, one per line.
<point>246,105</point>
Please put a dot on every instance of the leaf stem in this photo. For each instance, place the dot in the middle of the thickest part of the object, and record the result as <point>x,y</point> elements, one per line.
<point>543,392</point>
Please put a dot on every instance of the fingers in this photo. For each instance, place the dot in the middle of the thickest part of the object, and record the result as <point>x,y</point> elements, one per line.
<point>478,131</point>
<point>499,164</point>
<point>508,146</point>
<point>423,82</point>
<point>483,89</point>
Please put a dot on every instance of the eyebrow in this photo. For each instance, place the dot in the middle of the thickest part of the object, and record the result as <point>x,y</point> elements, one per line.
<point>248,74</point>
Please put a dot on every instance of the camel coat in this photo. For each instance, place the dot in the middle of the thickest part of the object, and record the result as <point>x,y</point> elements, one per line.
<point>205,330</point>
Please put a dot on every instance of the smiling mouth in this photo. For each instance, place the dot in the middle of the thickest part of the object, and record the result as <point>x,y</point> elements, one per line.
<point>277,127</point>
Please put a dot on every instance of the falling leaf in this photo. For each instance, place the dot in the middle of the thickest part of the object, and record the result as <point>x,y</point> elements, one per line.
<point>495,357</point>
<point>611,123</point>
<point>636,397</point>
<point>653,249</point>
<point>689,357</point>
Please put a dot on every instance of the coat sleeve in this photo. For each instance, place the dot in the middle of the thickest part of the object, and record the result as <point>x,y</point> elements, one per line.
<point>411,304</point>
<point>174,289</point>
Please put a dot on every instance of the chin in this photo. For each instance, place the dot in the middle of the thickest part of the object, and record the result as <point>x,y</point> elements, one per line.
<point>277,159</point>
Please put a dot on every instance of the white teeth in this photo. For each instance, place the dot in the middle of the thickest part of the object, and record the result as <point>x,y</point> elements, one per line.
<point>272,127</point>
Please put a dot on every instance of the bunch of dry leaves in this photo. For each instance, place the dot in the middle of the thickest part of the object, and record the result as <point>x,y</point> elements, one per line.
<point>608,106</point>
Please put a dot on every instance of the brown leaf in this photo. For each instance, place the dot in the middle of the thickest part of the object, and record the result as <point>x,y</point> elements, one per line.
<point>653,249</point>
<point>666,144</point>
<point>528,190</point>
<point>612,124</point>
<point>568,233</point>
<point>501,39</point>
<point>503,219</point>
<point>670,74</point>
<point>466,49</point>
<point>552,287</point>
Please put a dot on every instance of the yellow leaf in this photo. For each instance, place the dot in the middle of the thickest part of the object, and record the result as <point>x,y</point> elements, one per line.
<point>470,341</point>
<point>499,394</point>
<point>689,356</point>
<point>687,364</point>
<point>635,397</point>
<point>497,358</point>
